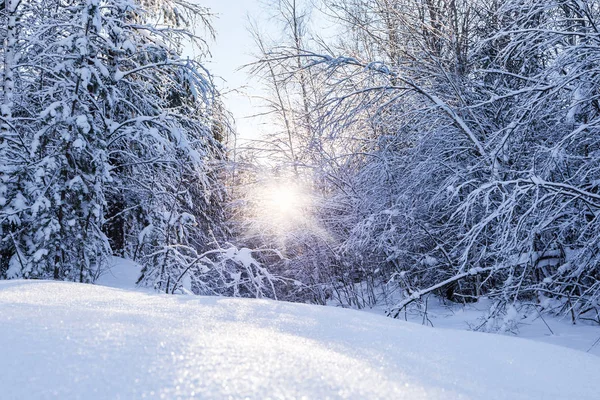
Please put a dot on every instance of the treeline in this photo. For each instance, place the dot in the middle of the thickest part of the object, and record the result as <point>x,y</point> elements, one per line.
<point>439,147</point>
<point>455,147</point>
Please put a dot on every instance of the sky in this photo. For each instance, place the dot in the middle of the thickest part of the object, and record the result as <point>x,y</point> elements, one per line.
<point>231,50</point>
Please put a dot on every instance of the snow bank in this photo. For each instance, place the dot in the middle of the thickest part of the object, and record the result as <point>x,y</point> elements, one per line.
<point>528,323</point>
<point>67,341</point>
<point>122,274</point>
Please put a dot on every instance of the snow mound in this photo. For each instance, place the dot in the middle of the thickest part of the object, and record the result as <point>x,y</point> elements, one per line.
<point>122,274</point>
<point>72,341</point>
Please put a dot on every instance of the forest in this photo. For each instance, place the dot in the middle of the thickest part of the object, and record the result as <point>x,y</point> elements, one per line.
<point>415,147</point>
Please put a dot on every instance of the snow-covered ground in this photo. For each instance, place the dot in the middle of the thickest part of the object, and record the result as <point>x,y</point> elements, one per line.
<point>529,324</point>
<point>122,274</point>
<point>68,340</point>
<point>440,314</point>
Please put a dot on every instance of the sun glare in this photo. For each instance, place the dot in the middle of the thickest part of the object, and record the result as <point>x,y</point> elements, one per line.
<point>286,200</point>
<point>282,205</point>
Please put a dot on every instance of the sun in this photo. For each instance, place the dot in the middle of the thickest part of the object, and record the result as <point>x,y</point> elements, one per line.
<point>283,204</point>
<point>280,206</point>
<point>283,208</point>
<point>285,200</point>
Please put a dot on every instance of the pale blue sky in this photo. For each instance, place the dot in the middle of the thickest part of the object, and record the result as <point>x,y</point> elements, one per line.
<point>234,47</point>
<point>232,50</point>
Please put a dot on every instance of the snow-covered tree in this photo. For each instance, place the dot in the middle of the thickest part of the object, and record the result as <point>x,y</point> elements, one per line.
<point>115,138</point>
<point>470,162</point>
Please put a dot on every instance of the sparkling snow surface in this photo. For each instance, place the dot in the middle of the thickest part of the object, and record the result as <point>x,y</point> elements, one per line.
<point>66,340</point>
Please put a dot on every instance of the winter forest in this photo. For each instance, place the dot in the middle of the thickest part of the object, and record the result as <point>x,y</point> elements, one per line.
<point>416,148</point>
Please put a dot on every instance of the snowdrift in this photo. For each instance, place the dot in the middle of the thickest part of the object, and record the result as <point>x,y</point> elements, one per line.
<point>74,341</point>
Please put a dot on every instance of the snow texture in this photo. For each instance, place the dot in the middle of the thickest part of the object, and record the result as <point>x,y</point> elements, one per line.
<point>122,273</point>
<point>70,341</point>
<point>528,324</point>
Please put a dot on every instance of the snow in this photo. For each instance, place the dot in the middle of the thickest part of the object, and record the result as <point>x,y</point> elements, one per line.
<point>69,341</point>
<point>527,323</point>
<point>83,124</point>
<point>147,231</point>
<point>122,274</point>
<point>119,75</point>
